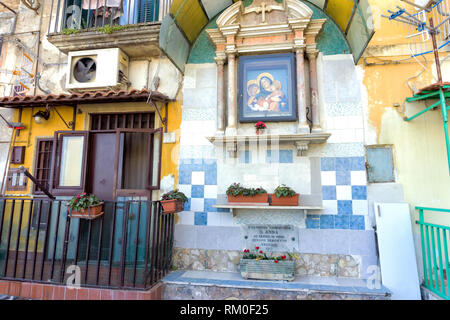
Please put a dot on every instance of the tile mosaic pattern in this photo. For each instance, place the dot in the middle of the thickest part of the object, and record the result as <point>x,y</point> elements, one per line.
<point>344,191</point>
<point>198,181</point>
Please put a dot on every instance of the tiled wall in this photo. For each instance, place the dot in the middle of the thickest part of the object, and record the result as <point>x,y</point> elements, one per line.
<point>344,190</point>
<point>198,181</point>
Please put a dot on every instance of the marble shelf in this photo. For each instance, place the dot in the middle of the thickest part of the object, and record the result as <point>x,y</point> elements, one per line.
<point>234,207</point>
<point>301,141</point>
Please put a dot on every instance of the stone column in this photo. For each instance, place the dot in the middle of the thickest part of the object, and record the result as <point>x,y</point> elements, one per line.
<point>312,57</point>
<point>220,95</point>
<point>232,96</point>
<point>303,126</point>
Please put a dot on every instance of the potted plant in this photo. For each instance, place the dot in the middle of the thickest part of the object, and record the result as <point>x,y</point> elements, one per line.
<point>284,196</point>
<point>256,264</point>
<point>173,201</point>
<point>85,206</point>
<point>260,127</point>
<point>239,194</point>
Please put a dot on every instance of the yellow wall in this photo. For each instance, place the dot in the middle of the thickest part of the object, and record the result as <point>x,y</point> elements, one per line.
<point>33,131</point>
<point>419,146</point>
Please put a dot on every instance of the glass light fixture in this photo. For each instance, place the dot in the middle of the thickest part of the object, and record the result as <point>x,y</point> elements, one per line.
<point>40,116</point>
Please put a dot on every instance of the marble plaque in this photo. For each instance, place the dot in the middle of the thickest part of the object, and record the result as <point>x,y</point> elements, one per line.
<point>271,238</point>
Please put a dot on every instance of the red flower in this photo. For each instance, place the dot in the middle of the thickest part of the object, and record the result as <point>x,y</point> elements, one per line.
<point>78,197</point>
<point>276,261</point>
<point>283,257</point>
<point>260,125</point>
<point>257,248</point>
<point>260,251</point>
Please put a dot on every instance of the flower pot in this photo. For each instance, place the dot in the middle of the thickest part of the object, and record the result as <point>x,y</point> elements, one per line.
<point>284,201</point>
<point>267,269</point>
<point>259,198</point>
<point>172,206</point>
<point>90,213</point>
<point>260,131</point>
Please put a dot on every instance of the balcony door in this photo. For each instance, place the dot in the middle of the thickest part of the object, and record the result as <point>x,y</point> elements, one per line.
<point>102,168</point>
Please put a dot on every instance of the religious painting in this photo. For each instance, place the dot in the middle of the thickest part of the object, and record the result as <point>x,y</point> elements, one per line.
<point>267,88</point>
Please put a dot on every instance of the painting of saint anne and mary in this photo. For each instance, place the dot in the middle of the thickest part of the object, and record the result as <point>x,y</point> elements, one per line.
<point>266,86</point>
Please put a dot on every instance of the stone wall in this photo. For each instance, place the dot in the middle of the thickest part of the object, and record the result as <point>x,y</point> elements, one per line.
<point>324,265</point>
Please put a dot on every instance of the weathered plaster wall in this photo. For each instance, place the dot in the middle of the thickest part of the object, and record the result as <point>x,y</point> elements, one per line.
<point>419,146</point>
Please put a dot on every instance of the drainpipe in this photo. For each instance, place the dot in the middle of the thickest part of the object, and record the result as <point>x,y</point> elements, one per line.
<point>36,71</point>
<point>13,137</point>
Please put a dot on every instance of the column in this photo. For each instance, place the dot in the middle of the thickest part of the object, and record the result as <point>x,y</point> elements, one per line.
<point>312,57</point>
<point>220,61</point>
<point>232,96</point>
<point>303,126</point>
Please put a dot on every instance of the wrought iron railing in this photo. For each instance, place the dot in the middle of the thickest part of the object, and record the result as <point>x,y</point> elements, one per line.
<point>435,255</point>
<point>128,247</point>
<point>69,16</point>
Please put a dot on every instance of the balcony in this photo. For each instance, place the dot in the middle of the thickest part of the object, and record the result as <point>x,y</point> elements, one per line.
<point>435,253</point>
<point>132,25</point>
<point>128,247</point>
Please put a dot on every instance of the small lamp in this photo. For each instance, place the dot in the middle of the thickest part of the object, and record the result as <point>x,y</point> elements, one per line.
<point>40,116</point>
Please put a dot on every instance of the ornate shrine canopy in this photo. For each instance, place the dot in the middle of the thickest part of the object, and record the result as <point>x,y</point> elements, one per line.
<point>187,19</point>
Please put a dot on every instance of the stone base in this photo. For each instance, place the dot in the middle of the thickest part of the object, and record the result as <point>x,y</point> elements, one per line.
<point>323,265</point>
<point>197,285</point>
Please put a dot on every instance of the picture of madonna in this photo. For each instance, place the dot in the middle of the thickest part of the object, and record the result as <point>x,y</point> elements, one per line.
<point>266,94</point>
<point>267,88</point>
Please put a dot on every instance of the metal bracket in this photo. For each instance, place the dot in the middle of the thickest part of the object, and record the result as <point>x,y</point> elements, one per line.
<point>164,120</point>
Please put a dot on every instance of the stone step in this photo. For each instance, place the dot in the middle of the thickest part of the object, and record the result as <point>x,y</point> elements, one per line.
<point>209,285</point>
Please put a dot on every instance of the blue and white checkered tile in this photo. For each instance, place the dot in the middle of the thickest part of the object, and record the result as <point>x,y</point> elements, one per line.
<point>198,181</point>
<point>344,191</point>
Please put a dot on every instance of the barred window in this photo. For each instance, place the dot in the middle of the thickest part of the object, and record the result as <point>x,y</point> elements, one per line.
<point>113,121</point>
<point>43,163</point>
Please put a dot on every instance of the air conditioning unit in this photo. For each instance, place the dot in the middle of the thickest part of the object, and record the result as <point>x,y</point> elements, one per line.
<point>103,69</point>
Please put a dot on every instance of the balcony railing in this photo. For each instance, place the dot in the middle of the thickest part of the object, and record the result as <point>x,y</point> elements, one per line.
<point>128,247</point>
<point>68,16</point>
<point>435,255</point>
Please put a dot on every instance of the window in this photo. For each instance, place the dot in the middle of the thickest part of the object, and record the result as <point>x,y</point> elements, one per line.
<point>70,164</point>
<point>83,14</point>
<point>138,162</point>
<point>43,163</point>
<point>113,121</point>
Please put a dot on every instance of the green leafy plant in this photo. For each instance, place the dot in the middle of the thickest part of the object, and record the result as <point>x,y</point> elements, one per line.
<point>108,29</point>
<point>258,254</point>
<point>67,31</point>
<point>236,189</point>
<point>83,201</point>
<point>175,195</point>
<point>284,191</point>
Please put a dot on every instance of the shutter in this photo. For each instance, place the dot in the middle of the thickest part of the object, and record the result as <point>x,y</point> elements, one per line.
<point>148,10</point>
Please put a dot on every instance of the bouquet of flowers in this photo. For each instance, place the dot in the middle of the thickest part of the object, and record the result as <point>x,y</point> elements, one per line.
<point>260,125</point>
